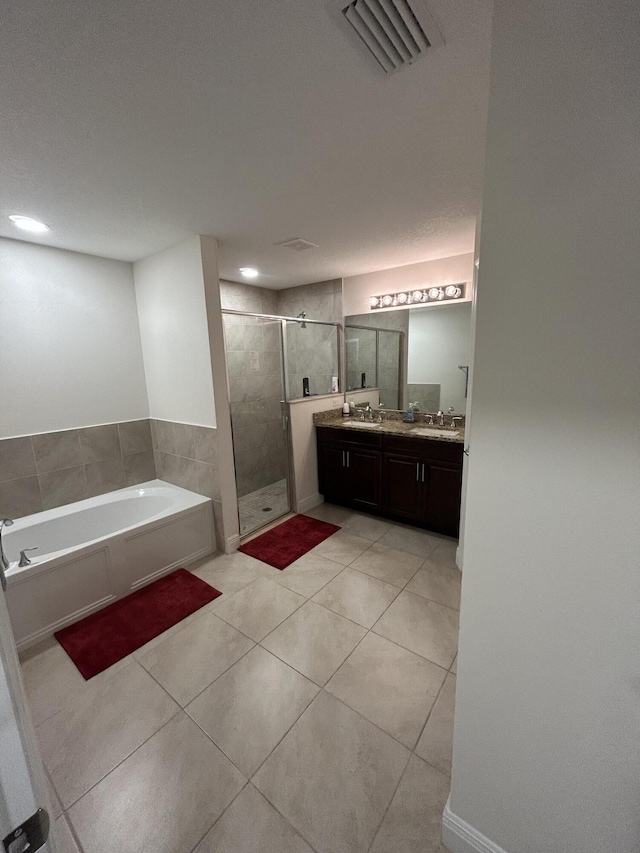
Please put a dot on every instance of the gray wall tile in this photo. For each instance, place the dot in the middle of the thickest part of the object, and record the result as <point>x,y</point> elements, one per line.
<point>135,437</point>
<point>16,458</point>
<point>139,468</point>
<point>103,477</point>
<point>208,482</point>
<point>206,444</point>
<point>166,436</point>
<point>184,438</point>
<point>63,487</point>
<point>55,451</point>
<point>20,497</point>
<point>99,443</point>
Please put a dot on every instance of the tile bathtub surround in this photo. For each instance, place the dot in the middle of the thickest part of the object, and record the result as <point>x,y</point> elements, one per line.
<point>51,469</point>
<point>186,455</point>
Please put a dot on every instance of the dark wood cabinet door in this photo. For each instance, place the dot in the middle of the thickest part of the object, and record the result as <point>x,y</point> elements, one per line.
<point>365,478</point>
<point>332,472</point>
<point>443,486</point>
<point>403,487</point>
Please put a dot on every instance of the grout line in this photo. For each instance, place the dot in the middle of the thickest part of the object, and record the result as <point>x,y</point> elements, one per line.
<point>222,813</point>
<point>115,767</point>
<point>72,830</point>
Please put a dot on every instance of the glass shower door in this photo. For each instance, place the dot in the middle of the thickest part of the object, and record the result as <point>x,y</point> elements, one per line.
<point>258,418</point>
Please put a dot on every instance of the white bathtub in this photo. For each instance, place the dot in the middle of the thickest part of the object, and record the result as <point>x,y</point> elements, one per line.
<point>95,551</point>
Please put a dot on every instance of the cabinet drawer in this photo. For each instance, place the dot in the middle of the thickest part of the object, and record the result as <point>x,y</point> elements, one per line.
<point>333,435</point>
<point>424,448</point>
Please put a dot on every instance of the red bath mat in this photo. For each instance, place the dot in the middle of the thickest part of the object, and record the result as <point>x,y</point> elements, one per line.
<point>103,638</point>
<point>283,544</point>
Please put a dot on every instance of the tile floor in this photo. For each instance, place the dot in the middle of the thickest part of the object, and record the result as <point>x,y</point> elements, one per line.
<point>263,506</point>
<point>303,710</point>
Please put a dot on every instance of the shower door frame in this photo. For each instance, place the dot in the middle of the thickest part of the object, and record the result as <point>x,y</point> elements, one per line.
<point>286,409</point>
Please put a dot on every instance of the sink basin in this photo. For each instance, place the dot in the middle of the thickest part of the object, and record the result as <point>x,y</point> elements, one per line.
<point>362,424</point>
<point>447,433</point>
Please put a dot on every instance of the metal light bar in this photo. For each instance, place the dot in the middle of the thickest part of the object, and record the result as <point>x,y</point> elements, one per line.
<point>443,293</point>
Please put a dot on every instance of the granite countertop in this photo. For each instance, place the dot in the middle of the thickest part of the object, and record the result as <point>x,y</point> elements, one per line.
<point>392,424</point>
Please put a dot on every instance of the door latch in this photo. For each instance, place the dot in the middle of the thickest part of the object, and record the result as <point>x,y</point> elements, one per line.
<point>30,835</point>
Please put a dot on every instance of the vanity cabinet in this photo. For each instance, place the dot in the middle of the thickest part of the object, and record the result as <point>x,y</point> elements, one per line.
<point>413,480</point>
<point>350,469</point>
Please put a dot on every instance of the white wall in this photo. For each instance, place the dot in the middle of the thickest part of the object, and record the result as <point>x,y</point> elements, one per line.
<point>357,289</point>
<point>546,745</point>
<point>175,339</point>
<point>303,441</point>
<point>439,340</point>
<point>70,343</point>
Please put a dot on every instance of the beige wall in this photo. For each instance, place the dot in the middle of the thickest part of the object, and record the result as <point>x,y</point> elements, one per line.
<point>357,289</point>
<point>546,747</point>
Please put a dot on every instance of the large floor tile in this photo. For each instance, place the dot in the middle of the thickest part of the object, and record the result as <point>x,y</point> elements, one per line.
<point>332,513</point>
<point>388,564</point>
<point>422,626</point>
<point>86,740</point>
<point>342,547</point>
<point>390,686</point>
<point>333,776</point>
<point>65,842</point>
<point>189,660</point>
<point>162,799</point>
<point>52,680</point>
<point>230,572</point>
<point>445,551</point>
<point>436,743</point>
<point>438,582</point>
<point>366,526</point>
<point>308,574</point>
<point>314,641</point>
<point>258,608</point>
<point>413,822</point>
<point>252,825</point>
<point>251,707</point>
<point>361,598</point>
<point>409,539</point>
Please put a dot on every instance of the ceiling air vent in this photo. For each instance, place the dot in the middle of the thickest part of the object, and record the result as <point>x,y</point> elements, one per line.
<point>298,244</point>
<point>392,33</point>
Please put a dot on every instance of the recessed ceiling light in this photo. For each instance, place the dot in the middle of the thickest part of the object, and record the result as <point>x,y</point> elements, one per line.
<point>249,272</point>
<point>28,224</point>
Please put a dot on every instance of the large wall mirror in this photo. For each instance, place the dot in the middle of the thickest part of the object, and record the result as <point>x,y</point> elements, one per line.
<point>412,355</point>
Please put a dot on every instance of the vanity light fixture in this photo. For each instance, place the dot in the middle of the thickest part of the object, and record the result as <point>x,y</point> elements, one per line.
<point>249,272</point>
<point>28,224</point>
<point>445,293</point>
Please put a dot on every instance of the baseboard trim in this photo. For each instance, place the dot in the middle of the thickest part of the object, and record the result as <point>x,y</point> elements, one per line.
<point>308,503</point>
<point>232,544</point>
<point>460,837</point>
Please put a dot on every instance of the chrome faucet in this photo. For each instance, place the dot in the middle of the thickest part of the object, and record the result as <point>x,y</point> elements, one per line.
<point>4,522</point>
<point>369,412</point>
<point>456,418</point>
<point>440,417</point>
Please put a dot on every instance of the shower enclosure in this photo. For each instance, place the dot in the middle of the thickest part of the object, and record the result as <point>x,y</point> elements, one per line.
<point>270,361</point>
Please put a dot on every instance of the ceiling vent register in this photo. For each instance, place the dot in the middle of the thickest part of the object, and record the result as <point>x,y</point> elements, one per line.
<point>392,33</point>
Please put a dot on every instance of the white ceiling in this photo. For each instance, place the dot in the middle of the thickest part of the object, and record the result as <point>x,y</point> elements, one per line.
<point>130,126</point>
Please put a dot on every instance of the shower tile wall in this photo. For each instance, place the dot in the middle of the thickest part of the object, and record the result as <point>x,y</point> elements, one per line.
<point>255,389</point>
<point>312,350</point>
<point>48,470</point>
